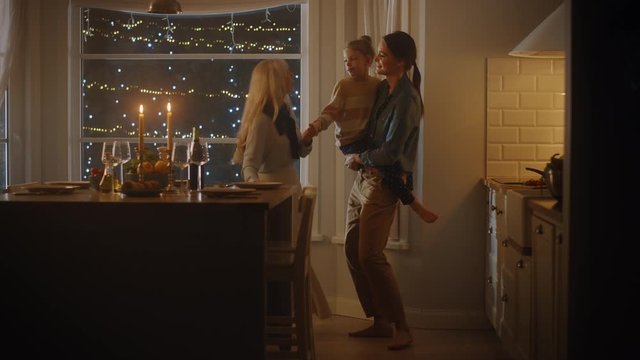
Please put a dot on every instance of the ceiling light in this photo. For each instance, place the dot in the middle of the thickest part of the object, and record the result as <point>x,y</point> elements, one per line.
<point>546,40</point>
<point>165,7</point>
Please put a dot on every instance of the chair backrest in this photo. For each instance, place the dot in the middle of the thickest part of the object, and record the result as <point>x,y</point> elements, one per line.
<point>307,205</point>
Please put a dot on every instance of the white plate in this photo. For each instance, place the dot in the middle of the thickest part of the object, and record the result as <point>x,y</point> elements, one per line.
<point>51,189</point>
<point>259,185</point>
<point>79,184</point>
<point>214,191</point>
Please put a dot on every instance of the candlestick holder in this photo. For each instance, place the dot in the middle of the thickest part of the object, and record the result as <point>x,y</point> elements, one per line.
<point>170,188</point>
<point>140,162</point>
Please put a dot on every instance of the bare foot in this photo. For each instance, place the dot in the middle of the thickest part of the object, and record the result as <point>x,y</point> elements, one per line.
<point>424,213</point>
<point>401,340</point>
<point>376,330</point>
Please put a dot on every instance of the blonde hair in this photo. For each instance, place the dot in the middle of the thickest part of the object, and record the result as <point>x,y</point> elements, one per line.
<point>267,86</point>
<point>363,46</point>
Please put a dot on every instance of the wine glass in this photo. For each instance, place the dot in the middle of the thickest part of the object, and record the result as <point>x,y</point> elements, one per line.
<point>180,155</point>
<point>199,155</point>
<point>122,153</point>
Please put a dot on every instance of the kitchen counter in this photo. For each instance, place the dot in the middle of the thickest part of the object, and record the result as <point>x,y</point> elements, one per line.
<point>507,184</point>
<point>548,207</point>
<point>105,276</point>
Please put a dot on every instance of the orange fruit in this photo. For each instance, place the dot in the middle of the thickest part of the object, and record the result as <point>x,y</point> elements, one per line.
<point>147,167</point>
<point>161,167</point>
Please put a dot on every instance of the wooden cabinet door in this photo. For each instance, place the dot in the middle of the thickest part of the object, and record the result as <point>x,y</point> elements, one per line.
<point>543,235</point>
<point>523,322</point>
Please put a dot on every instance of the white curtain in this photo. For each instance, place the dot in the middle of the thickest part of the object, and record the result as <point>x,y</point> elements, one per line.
<point>11,17</point>
<point>380,17</point>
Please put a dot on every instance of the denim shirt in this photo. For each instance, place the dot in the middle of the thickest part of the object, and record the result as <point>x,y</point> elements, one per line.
<point>393,127</point>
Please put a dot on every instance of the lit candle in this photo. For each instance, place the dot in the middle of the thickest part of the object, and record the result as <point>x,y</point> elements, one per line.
<point>169,129</point>
<point>141,134</point>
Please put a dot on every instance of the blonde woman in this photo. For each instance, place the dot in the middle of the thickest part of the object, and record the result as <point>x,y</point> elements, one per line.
<point>268,146</point>
<point>269,140</point>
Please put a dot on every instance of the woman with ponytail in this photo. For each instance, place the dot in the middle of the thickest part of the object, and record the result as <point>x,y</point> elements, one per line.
<point>392,131</point>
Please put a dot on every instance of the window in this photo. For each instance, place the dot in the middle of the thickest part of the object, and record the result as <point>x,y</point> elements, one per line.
<point>201,64</point>
<point>4,142</point>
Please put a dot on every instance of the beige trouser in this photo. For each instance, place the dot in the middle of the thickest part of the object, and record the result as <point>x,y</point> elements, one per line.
<point>370,213</point>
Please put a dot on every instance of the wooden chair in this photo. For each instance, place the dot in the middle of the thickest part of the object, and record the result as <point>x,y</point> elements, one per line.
<point>291,337</point>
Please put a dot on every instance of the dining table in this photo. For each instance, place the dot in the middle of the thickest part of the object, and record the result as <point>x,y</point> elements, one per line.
<point>95,275</point>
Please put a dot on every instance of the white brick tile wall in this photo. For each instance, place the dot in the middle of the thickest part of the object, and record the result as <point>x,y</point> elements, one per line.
<point>503,169</point>
<point>558,101</point>
<point>519,83</point>
<point>494,117</point>
<point>494,82</point>
<point>502,66</point>
<point>501,135</point>
<point>494,152</point>
<point>519,152</point>
<point>538,135</point>
<point>525,115</point>
<point>536,100</point>
<point>558,66</point>
<point>536,67</point>
<point>502,100</point>
<point>545,152</point>
<point>550,118</point>
<point>558,136</point>
<point>519,117</point>
<point>550,83</point>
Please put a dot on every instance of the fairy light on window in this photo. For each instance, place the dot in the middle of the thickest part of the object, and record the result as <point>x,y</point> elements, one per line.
<point>266,16</point>
<point>169,34</point>
<point>232,31</point>
<point>131,22</point>
<point>89,31</point>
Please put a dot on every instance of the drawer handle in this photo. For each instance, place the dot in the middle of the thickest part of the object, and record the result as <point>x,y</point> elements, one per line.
<point>490,230</point>
<point>539,230</point>
<point>520,264</point>
<point>505,243</point>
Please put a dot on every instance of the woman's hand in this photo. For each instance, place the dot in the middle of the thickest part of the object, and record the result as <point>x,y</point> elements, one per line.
<point>308,134</point>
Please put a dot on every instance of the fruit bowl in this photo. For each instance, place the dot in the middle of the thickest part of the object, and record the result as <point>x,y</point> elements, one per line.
<point>163,179</point>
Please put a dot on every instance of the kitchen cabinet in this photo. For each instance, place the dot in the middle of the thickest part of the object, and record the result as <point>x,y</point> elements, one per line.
<point>514,324</point>
<point>550,261</point>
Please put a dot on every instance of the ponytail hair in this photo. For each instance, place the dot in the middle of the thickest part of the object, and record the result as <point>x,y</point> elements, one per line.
<point>403,47</point>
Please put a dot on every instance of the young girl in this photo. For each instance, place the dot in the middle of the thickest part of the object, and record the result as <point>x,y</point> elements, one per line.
<point>349,109</point>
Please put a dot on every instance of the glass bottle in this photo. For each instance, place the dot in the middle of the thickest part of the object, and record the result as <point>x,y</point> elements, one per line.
<point>106,183</point>
<point>195,152</point>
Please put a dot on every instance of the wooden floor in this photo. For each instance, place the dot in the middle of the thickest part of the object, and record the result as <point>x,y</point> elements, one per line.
<point>333,343</point>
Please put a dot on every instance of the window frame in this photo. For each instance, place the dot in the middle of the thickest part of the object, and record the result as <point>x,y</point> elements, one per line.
<point>75,77</point>
<point>4,139</point>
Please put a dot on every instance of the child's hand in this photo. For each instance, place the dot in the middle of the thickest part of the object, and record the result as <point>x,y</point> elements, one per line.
<point>353,162</point>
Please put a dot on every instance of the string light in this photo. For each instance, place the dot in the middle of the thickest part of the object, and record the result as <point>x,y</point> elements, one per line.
<point>169,34</point>
<point>88,32</point>
<point>164,35</point>
<point>266,16</point>
<point>232,31</point>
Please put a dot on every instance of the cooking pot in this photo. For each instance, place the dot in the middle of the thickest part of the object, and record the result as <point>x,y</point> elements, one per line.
<point>552,176</point>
